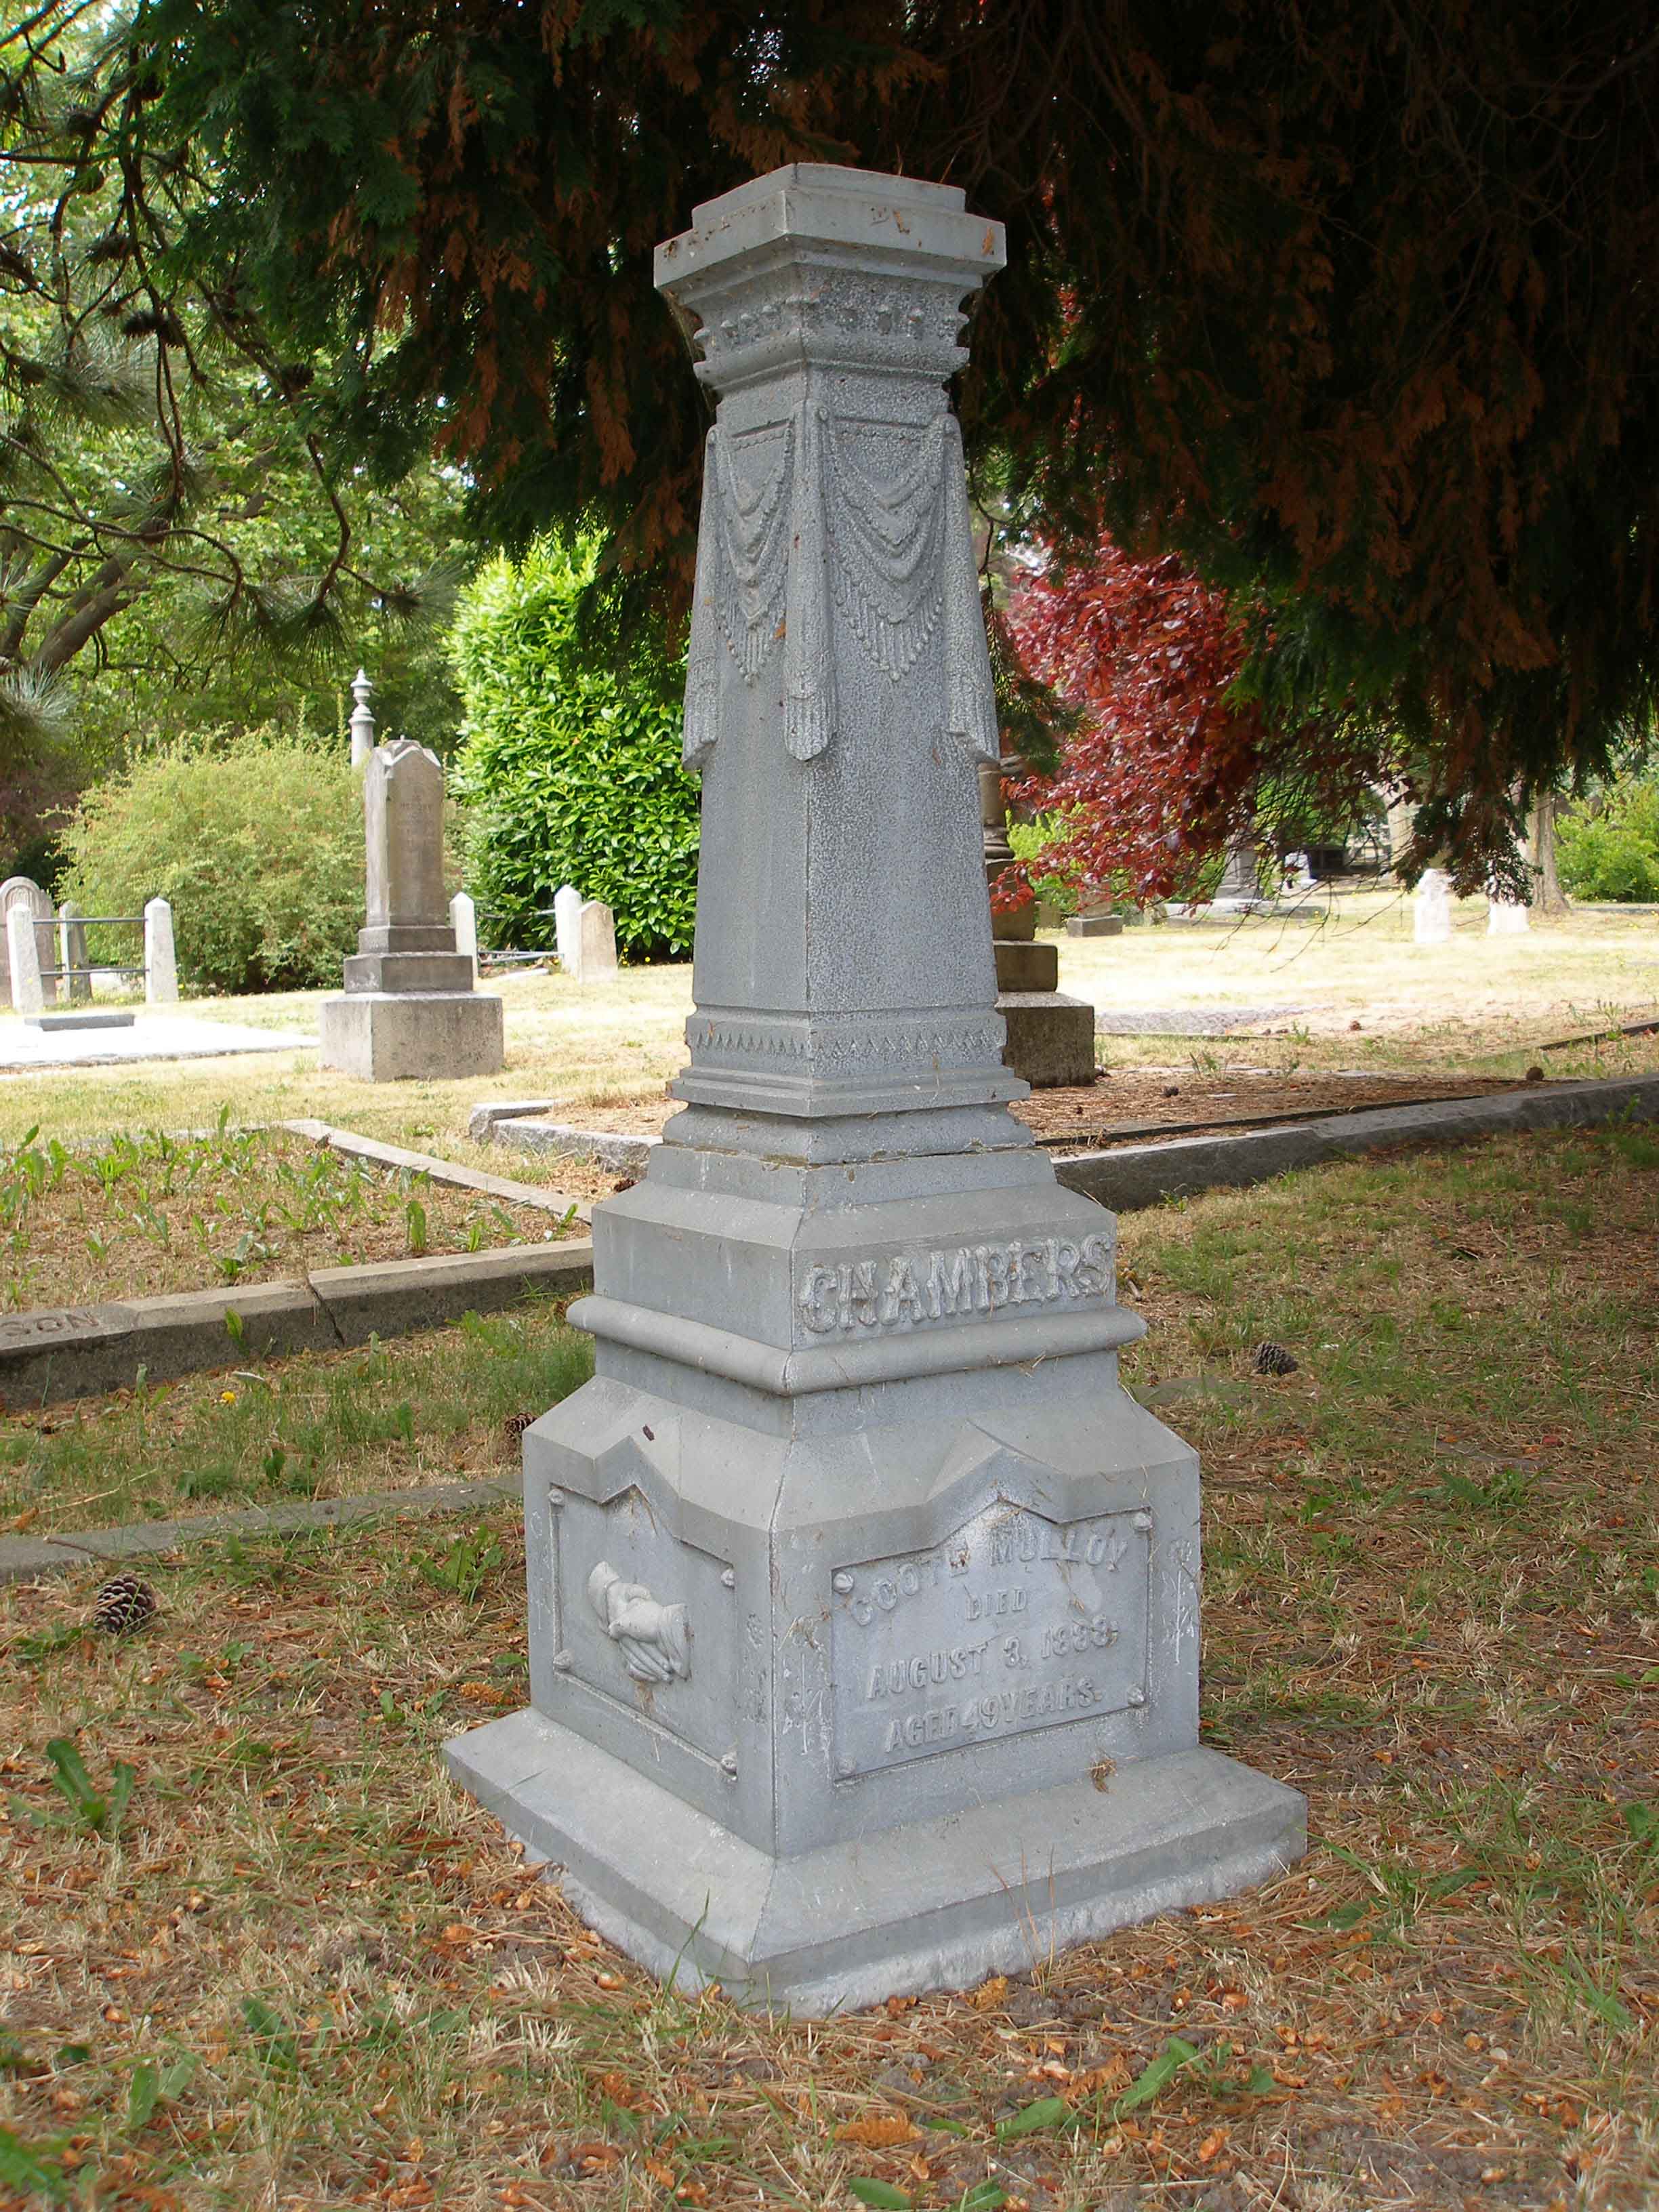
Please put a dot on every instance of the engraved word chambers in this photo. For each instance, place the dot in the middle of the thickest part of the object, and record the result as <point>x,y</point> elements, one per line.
<point>1016,1622</point>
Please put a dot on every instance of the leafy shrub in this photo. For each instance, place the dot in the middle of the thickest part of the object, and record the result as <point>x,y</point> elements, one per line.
<point>570,772</point>
<point>256,841</point>
<point>1614,855</point>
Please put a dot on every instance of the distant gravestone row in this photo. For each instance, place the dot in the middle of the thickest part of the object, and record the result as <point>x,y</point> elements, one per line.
<point>1431,911</point>
<point>28,928</point>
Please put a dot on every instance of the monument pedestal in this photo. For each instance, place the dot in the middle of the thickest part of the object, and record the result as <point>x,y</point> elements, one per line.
<point>863,1600</point>
<point>384,1037</point>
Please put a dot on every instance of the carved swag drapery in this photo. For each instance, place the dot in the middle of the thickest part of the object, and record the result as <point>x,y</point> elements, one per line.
<point>793,520</point>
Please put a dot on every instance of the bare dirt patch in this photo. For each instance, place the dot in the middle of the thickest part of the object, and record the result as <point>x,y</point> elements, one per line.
<point>1211,1097</point>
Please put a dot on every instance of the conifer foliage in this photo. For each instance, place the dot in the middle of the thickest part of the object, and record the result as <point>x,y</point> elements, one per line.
<point>1350,306</point>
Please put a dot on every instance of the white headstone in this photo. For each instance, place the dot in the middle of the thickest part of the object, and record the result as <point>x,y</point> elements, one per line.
<point>596,942</point>
<point>1432,909</point>
<point>23,891</point>
<point>28,993</point>
<point>362,720</point>
<point>72,954</point>
<point>463,921</point>
<point>161,963</point>
<point>567,926</point>
<point>1506,917</point>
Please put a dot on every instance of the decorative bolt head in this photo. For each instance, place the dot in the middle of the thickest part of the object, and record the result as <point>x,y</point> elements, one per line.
<point>1144,1523</point>
<point>841,1582</point>
<point>729,1766</point>
<point>729,1580</point>
<point>1137,1696</point>
<point>844,1767</point>
<point>554,1497</point>
<point>563,1661</point>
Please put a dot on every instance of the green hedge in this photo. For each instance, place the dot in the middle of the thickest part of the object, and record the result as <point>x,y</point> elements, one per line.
<point>1614,855</point>
<point>569,772</point>
<point>257,841</point>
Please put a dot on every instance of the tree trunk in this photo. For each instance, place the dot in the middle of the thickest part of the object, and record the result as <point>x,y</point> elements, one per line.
<point>1547,896</point>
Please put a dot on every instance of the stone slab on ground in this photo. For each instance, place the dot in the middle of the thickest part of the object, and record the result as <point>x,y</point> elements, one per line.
<point>152,1036</point>
<point>1188,1021</point>
<point>1135,1175</point>
<point>23,1559</point>
<point>74,1352</point>
<point>994,1888</point>
<point>607,1148</point>
<point>346,1141</point>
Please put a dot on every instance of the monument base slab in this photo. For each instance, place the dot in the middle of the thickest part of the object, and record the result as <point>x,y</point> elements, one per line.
<point>1051,1038</point>
<point>940,1903</point>
<point>389,1037</point>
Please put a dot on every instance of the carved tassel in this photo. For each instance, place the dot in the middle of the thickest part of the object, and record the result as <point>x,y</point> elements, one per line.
<point>970,694</point>
<point>703,659</point>
<point>809,708</point>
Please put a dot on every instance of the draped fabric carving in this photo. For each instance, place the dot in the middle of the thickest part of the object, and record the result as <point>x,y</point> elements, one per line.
<point>794,520</point>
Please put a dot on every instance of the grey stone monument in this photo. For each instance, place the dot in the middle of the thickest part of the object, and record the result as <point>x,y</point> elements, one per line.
<point>863,1601</point>
<point>596,943</point>
<point>409,1008</point>
<point>1240,889</point>
<point>1049,1039</point>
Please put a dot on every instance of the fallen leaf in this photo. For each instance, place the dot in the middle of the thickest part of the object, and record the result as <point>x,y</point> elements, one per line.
<point>879,2132</point>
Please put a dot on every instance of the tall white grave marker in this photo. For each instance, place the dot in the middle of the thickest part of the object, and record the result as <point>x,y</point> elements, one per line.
<point>409,1007</point>
<point>160,960</point>
<point>1432,909</point>
<point>362,721</point>
<point>567,926</point>
<point>463,921</point>
<point>854,1561</point>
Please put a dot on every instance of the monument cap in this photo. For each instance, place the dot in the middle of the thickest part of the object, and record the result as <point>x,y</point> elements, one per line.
<point>855,210</point>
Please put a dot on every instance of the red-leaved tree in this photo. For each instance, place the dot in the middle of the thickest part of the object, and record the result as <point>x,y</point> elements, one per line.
<point>1166,761</point>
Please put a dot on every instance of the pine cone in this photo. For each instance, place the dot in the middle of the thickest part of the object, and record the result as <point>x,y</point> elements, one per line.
<point>516,1423</point>
<point>1271,1359</point>
<point>125,1603</point>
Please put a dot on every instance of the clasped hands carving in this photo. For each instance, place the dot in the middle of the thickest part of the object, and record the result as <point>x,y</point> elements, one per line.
<point>652,1638</point>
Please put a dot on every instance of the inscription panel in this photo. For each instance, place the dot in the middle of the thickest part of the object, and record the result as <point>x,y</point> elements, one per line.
<point>907,1290</point>
<point>1016,1622</point>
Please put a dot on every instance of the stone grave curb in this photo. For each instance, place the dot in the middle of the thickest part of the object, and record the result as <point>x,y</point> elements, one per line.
<point>1144,1174</point>
<point>73,1352</point>
<point>24,1559</point>
<point>352,1146</point>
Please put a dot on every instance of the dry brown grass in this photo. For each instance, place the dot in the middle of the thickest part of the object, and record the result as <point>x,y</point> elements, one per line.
<point>1431,1585</point>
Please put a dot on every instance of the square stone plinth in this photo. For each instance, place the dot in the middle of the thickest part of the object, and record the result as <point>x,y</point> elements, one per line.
<point>1051,1038</point>
<point>382,1036</point>
<point>995,1889</point>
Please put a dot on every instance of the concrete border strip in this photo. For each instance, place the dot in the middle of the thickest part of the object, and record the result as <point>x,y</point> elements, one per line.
<point>22,1558</point>
<point>352,1146</point>
<point>75,1352</point>
<point>1144,1174</point>
<point>614,1149</point>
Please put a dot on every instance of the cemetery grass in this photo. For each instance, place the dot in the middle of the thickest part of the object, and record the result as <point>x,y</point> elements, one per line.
<point>441,1406</point>
<point>301,1970</point>
<point>134,1216</point>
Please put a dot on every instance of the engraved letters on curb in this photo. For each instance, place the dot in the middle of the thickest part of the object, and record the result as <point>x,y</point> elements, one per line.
<point>652,1638</point>
<point>898,1291</point>
<point>1016,1622</point>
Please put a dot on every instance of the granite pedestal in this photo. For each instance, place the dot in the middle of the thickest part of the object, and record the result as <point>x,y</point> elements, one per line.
<point>863,1601</point>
